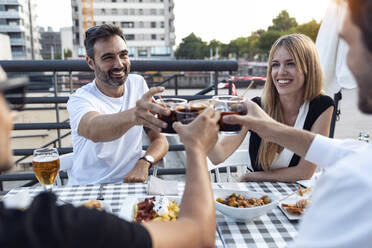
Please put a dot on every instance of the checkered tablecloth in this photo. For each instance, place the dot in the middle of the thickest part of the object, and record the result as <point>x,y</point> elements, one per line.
<point>271,230</point>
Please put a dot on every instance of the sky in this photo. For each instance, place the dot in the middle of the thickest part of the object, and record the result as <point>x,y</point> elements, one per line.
<point>223,20</point>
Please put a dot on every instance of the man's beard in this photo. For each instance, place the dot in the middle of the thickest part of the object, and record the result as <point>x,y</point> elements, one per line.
<point>107,79</point>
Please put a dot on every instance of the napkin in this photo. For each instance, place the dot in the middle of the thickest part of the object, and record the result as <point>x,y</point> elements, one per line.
<point>157,186</point>
<point>20,200</point>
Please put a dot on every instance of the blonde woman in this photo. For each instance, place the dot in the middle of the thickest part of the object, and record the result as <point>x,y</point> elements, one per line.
<point>293,96</point>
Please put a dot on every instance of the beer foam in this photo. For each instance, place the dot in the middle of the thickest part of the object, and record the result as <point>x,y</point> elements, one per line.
<point>46,158</point>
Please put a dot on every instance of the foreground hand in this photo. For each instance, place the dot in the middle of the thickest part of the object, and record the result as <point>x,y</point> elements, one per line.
<point>139,172</point>
<point>202,133</point>
<point>254,118</point>
<point>146,108</point>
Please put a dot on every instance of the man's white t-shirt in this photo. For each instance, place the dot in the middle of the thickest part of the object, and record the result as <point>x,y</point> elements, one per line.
<point>104,162</point>
<point>341,211</point>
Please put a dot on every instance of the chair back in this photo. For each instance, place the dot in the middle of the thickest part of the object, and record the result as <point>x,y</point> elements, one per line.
<point>239,158</point>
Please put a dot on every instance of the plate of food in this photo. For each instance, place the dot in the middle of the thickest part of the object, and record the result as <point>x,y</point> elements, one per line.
<point>295,205</point>
<point>244,205</point>
<point>151,208</point>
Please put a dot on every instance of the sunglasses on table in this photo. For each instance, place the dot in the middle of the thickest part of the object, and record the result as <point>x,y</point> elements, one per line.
<point>14,90</point>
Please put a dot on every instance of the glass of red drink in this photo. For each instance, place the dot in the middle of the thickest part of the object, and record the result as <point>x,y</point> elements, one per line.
<point>229,105</point>
<point>171,104</point>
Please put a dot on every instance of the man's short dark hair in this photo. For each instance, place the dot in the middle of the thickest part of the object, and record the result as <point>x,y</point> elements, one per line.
<point>95,33</point>
<point>361,14</point>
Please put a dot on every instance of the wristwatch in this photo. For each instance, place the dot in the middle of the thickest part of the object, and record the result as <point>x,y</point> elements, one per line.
<point>148,158</point>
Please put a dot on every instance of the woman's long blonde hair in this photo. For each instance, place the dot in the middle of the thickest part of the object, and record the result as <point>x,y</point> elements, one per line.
<point>305,55</point>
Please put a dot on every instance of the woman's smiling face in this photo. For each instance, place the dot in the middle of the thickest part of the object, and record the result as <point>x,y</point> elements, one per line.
<point>288,79</point>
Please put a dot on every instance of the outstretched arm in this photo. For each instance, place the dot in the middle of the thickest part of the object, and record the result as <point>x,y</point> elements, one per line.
<point>224,148</point>
<point>107,127</point>
<point>196,226</point>
<point>257,120</point>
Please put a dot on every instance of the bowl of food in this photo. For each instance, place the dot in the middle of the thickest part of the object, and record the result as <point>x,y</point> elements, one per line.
<point>151,208</point>
<point>244,205</point>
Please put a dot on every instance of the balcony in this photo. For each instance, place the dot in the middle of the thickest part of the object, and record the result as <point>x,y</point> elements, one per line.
<point>17,42</point>
<point>10,14</point>
<point>7,28</point>
<point>10,2</point>
<point>18,54</point>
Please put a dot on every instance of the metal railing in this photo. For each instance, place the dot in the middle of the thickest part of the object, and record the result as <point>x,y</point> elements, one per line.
<point>57,67</point>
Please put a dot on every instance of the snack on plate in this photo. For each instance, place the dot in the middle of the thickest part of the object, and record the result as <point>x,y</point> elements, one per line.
<point>156,209</point>
<point>93,204</point>
<point>301,192</point>
<point>240,201</point>
<point>297,208</point>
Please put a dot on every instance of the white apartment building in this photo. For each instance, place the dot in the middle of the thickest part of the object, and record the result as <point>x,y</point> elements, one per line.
<point>18,21</point>
<point>148,25</point>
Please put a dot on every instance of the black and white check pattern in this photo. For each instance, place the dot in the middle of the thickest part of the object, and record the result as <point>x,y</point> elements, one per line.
<point>271,230</point>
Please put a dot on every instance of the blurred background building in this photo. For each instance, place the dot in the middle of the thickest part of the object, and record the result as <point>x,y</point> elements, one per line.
<point>148,25</point>
<point>50,44</point>
<point>18,21</point>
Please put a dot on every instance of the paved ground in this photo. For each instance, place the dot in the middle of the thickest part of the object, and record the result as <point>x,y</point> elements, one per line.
<point>350,124</point>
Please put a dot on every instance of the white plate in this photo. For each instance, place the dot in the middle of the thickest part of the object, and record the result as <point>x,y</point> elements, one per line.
<point>244,214</point>
<point>292,200</point>
<point>127,207</point>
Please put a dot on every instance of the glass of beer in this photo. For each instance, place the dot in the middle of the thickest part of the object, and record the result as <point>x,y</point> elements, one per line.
<point>229,105</point>
<point>46,166</point>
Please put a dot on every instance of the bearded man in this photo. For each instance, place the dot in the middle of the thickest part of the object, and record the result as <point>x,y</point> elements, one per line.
<point>108,114</point>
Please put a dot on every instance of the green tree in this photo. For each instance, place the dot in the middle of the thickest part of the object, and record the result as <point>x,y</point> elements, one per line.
<point>67,53</point>
<point>310,28</point>
<point>192,47</point>
<point>283,22</point>
<point>266,40</point>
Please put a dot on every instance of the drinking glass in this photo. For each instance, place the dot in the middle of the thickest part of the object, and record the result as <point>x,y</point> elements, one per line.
<point>171,104</point>
<point>46,166</point>
<point>188,113</point>
<point>229,105</point>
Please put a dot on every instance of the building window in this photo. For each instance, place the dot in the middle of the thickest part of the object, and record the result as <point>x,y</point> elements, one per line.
<point>125,11</point>
<point>114,11</point>
<point>103,11</point>
<point>153,24</point>
<point>142,53</point>
<point>141,24</point>
<point>129,36</point>
<point>113,1</point>
<point>140,37</point>
<point>76,9</point>
<point>127,24</point>
<point>140,11</point>
<point>153,11</point>
<point>2,22</point>
<point>132,11</point>
<point>153,36</point>
<point>162,24</point>
<point>161,11</point>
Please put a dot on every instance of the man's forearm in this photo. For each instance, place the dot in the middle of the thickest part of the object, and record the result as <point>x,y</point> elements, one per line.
<point>293,139</point>
<point>104,128</point>
<point>158,148</point>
